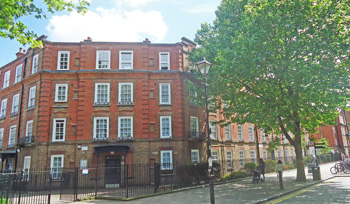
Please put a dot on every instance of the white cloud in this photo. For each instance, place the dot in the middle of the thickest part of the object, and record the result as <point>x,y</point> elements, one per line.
<point>203,8</point>
<point>108,25</point>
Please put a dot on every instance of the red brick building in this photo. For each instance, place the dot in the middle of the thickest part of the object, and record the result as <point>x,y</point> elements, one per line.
<point>98,103</point>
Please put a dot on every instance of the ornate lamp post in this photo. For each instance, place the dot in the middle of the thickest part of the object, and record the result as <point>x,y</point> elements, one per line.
<point>204,67</point>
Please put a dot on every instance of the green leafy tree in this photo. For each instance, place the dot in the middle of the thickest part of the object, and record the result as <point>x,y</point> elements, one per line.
<point>11,12</point>
<point>283,65</point>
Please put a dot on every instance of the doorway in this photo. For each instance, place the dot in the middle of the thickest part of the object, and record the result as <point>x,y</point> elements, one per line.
<point>112,171</point>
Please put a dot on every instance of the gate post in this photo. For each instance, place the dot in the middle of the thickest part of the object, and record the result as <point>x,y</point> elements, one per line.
<point>19,185</point>
<point>76,179</point>
<point>156,176</point>
<point>127,180</point>
<point>96,181</point>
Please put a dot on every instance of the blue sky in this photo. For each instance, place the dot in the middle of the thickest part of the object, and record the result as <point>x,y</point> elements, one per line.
<point>162,21</point>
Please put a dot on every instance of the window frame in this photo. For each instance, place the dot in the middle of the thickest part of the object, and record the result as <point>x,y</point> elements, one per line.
<point>263,136</point>
<point>214,129</point>
<point>82,165</point>
<point>108,93</point>
<point>253,155</point>
<point>94,128</point>
<point>31,96</point>
<point>59,60</point>
<point>251,133</point>
<point>265,156</point>
<point>27,128</point>
<point>161,127</point>
<point>240,132</point>
<point>215,158</point>
<point>65,93</point>
<point>26,168</point>
<point>15,103</point>
<point>196,156</point>
<point>131,127</point>
<point>196,131</point>
<point>120,93</point>
<point>162,167</point>
<point>161,96</point>
<point>54,136</point>
<point>229,136</point>
<point>12,136</point>
<point>19,73</point>
<point>242,158</point>
<point>35,64</point>
<point>121,52</point>
<point>1,137</point>
<point>229,160</point>
<point>59,169</point>
<point>160,60</point>
<point>7,77</point>
<point>3,108</point>
<point>109,59</point>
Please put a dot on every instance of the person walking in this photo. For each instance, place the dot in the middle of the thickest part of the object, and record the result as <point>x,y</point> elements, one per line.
<point>262,169</point>
<point>279,167</point>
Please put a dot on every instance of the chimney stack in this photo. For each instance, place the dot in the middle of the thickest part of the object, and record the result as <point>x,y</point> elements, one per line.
<point>147,41</point>
<point>20,53</point>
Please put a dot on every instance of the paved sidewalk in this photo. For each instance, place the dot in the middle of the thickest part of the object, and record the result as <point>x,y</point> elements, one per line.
<point>242,191</point>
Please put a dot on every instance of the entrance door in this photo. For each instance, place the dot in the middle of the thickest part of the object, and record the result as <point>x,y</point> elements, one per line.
<point>112,171</point>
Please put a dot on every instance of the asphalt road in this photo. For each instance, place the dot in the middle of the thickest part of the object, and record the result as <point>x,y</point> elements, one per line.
<point>335,190</point>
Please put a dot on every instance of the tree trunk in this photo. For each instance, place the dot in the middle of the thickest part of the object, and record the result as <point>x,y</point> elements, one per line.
<point>300,165</point>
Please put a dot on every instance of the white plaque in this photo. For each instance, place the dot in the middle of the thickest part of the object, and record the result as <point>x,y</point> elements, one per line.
<point>84,148</point>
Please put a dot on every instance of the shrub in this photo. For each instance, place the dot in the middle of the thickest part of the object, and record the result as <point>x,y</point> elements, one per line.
<point>307,160</point>
<point>285,166</point>
<point>250,166</point>
<point>235,175</point>
<point>270,166</point>
<point>291,166</point>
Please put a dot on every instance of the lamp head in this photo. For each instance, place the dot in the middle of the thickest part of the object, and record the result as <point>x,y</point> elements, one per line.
<point>204,66</point>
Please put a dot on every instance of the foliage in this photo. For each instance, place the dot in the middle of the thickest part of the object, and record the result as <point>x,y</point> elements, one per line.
<point>279,64</point>
<point>326,149</point>
<point>307,160</point>
<point>270,166</point>
<point>250,166</point>
<point>11,11</point>
<point>235,175</point>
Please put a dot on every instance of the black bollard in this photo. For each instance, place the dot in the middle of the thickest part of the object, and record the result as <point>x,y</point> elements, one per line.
<point>280,179</point>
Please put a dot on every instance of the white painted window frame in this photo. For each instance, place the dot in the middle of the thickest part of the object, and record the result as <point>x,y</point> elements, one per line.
<point>12,136</point>
<point>108,92</point>
<point>32,92</point>
<point>35,64</point>
<point>98,52</point>
<point>59,60</point>
<point>3,108</point>
<point>120,93</point>
<point>167,167</point>
<point>160,60</point>
<point>18,77</point>
<point>95,124</point>
<point>65,93</point>
<point>161,126</point>
<point>7,76</point>
<point>55,121</point>
<point>121,52</point>
<point>59,169</point>
<point>240,132</point>
<point>251,133</point>
<point>131,127</point>
<point>160,93</point>
<point>15,103</point>
<point>195,157</point>
<point>29,123</point>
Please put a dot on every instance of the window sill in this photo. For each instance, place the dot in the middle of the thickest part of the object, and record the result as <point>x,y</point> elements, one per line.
<point>14,114</point>
<point>166,138</point>
<point>30,108</point>
<point>62,106</point>
<point>2,117</point>
<point>161,104</point>
<point>102,105</point>
<point>125,104</point>
<point>58,141</point>
<point>95,140</point>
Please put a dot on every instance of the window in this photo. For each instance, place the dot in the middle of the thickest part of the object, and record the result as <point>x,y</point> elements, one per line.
<point>1,137</point>
<point>29,128</point>
<point>126,60</point>
<point>125,94</point>
<point>229,160</point>
<point>15,101</point>
<point>31,99</point>
<point>56,166</point>
<point>125,127</point>
<point>164,93</point>
<point>26,167</point>
<point>193,97</point>
<point>285,141</point>
<point>101,128</point>
<point>228,132</point>
<point>164,61</point>
<point>165,127</point>
<point>166,159</point>
<point>279,155</point>
<point>63,60</point>
<point>195,156</point>
<point>241,158</point>
<point>286,156</point>
<point>240,132</point>
<point>213,130</point>
<point>18,73</point>
<point>194,126</point>
<point>251,133</point>
<point>61,92</point>
<point>9,165</point>
<point>101,93</point>
<point>83,163</point>
<point>12,136</point>
<point>215,156</point>
<point>265,155</point>
<point>3,108</point>
<point>253,156</point>
<point>7,79</point>
<point>263,137</point>
<point>292,154</point>
<point>35,64</point>
<point>103,59</point>
<point>59,129</point>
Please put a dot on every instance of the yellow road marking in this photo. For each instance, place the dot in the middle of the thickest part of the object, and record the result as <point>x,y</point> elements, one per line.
<point>293,194</point>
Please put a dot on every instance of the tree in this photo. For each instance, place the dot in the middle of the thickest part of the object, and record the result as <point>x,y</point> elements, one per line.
<point>12,10</point>
<point>279,64</point>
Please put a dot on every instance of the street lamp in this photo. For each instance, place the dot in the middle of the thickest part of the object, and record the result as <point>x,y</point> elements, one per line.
<point>204,67</point>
